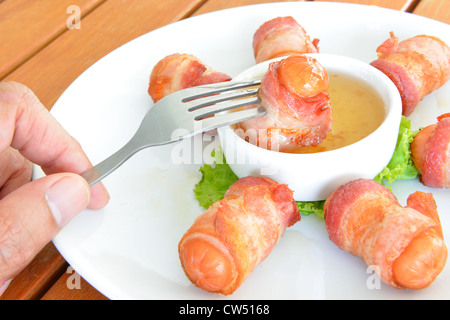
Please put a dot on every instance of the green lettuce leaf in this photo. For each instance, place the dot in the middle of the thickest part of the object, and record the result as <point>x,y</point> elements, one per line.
<point>311,207</point>
<point>401,166</point>
<point>215,181</point>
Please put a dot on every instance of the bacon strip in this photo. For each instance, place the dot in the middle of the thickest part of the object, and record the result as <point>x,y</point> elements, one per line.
<point>294,92</point>
<point>417,66</point>
<point>225,243</point>
<point>430,152</point>
<point>181,71</point>
<point>281,36</point>
<point>405,244</point>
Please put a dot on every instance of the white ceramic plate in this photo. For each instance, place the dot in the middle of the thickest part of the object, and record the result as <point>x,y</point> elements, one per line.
<point>128,250</point>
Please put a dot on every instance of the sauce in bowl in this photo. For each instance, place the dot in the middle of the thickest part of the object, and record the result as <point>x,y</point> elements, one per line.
<point>358,110</point>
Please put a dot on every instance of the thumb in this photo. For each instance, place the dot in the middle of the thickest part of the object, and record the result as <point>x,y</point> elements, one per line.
<point>33,214</point>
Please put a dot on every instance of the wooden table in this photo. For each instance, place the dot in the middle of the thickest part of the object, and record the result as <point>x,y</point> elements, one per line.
<point>42,47</point>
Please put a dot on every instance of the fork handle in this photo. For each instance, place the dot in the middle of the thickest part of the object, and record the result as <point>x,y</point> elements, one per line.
<point>104,168</point>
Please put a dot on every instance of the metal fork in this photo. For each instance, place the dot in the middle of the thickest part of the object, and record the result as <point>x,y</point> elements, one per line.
<point>193,110</point>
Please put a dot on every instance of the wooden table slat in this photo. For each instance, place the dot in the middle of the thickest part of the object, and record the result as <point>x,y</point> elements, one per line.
<point>214,5</point>
<point>390,4</point>
<point>111,25</point>
<point>48,19</point>
<point>435,9</point>
<point>70,286</point>
<point>38,277</point>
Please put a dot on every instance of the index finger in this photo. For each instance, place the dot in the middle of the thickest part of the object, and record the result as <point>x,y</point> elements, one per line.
<point>28,127</point>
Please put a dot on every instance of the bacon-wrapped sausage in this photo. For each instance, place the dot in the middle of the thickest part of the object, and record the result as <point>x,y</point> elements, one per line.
<point>181,71</point>
<point>281,36</point>
<point>430,152</point>
<point>405,244</point>
<point>294,92</point>
<point>234,235</point>
<point>417,66</point>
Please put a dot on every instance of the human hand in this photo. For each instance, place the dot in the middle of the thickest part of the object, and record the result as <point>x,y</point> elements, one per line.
<point>33,212</point>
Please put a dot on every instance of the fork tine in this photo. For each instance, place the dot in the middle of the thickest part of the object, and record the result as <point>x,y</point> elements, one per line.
<point>210,110</point>
<point>217,98</point>
<point>224,119</point>
<point>215,88</point>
